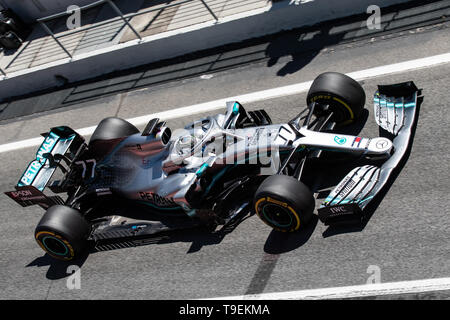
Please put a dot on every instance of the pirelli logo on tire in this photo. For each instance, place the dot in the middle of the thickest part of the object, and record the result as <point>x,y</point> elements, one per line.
<point>319,97</point>
<point>294,223</point>
<point>284,204</point>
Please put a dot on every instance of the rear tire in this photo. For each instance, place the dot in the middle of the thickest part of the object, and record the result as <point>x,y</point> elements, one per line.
<point>62,232</point>
<point>344,96</point>
<point>284,203</point>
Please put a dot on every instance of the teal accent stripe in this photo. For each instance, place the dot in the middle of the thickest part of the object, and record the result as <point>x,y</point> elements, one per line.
<point>201,170</point>
<point>396,105</point>
<point>235,108</point>
<point>34,167</point>
<point>214,180</point>
<point>345,201</point>
<point>56,253</point>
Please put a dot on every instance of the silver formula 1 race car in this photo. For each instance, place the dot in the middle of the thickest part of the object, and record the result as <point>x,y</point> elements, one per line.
<point>126,184</point>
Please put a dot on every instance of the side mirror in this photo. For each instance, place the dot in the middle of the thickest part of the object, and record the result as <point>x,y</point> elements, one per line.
<point>152,127</point>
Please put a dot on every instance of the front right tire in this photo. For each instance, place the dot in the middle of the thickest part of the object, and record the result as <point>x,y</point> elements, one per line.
<point>343,95</point>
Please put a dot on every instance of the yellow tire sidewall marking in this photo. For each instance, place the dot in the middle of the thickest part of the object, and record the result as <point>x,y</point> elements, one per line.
<point>72,253</point>
<point>329,97</point>
<point>352,115</point>
<point>280,203</point>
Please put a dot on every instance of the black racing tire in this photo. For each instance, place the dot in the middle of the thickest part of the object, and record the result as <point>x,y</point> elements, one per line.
<point>113,128</point>
<point>62,232</point>
<point>344,96</point>
<point>284,203</point>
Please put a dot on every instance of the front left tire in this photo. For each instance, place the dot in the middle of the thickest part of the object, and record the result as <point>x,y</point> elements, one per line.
<point>284,203</point>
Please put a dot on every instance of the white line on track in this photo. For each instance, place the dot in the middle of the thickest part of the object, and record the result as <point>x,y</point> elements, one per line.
<point>367,290</point>
<point>253,97</point>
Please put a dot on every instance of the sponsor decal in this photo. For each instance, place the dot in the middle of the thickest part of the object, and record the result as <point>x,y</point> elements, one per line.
<point>26,195</point>
<point>340,140</point>
<point>46,147</point>
<point>136,228</point>
<point>382,144</point>
<point>21,193</point>
<point>356,142</point>
<point>347,187</point>
<point>321,97</point>
<point>283,204</point>
<point>36,165</point>
<point>31,173</point>
<point>344,210</point>
<point>338,210</point>
<point>157,199</point>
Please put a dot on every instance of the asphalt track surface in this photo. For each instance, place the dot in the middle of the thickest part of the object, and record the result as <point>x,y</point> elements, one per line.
<point>407,237</point>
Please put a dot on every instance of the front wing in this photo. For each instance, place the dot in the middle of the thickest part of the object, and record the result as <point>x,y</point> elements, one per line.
<point>396,112</point>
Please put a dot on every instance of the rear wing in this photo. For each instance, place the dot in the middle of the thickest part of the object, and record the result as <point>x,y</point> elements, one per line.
<point>395,108</point>
<point>28,195</point>
<point>60,144</point>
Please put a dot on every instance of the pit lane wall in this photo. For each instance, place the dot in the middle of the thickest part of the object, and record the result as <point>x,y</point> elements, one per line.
<point>282,15</point>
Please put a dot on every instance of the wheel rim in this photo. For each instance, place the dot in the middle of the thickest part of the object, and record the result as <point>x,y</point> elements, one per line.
<point>55,246</point>
<point>278,216</point>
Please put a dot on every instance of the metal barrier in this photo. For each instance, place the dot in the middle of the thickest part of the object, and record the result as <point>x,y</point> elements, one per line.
<point>122,16</point>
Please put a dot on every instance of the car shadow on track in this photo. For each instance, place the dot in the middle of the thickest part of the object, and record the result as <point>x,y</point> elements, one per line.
<point>281,242</point>
<point>302,47</point>
<point>57,269</point>
<point>199,237</point>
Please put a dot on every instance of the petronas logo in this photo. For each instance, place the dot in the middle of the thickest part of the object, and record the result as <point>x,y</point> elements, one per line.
<point>340,140</point>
